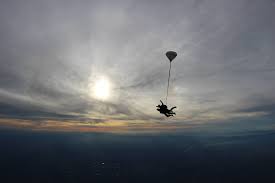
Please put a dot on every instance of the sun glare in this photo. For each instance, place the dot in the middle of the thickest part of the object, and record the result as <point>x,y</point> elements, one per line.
<point>102,89</point>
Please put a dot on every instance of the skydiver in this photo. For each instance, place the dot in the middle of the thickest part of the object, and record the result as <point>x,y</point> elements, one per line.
<point>164,110</point>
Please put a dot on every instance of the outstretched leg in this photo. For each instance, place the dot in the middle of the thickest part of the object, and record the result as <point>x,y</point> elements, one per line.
<point>170,115</point>
<point>173,108</point>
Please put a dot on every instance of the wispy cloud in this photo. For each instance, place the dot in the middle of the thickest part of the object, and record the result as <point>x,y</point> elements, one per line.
<point>52,51</point>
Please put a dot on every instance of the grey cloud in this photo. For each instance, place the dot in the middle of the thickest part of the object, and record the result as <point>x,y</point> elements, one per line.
<point>50,50</point>
<point>268,108</point>
<point>257,103</point>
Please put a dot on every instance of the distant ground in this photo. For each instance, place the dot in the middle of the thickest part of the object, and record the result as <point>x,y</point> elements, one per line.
<point>27,156</point>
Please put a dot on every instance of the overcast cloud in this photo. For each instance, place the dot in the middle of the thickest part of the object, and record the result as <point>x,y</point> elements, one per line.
<point>52,52</point>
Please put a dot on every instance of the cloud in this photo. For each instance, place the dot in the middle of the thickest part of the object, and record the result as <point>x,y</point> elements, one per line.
<point>258,104</point>
<point>52,51</point>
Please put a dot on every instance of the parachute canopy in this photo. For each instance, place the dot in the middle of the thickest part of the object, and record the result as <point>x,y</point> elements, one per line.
<point>171,55</point>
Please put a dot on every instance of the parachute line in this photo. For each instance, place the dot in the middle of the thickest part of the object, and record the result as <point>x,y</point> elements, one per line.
<point>167,91</point>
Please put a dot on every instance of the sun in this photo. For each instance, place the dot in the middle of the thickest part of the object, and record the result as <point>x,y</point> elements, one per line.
<point>101,89</point>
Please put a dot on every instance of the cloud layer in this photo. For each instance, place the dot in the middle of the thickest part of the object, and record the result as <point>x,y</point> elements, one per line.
<point>52,51</point>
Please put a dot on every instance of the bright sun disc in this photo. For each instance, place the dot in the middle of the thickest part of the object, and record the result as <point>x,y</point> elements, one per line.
<point>102,89</point>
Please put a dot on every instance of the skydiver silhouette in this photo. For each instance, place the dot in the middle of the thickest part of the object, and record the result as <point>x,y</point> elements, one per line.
<point>164,110</point>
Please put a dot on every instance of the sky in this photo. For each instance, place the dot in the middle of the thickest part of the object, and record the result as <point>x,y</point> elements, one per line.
<point>54,53</point>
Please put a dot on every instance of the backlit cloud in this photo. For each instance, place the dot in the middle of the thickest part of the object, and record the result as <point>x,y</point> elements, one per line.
<point>51,52</point>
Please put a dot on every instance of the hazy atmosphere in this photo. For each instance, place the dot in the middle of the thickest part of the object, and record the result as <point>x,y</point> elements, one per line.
<point>81,83</point>
<point>54,53</point>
